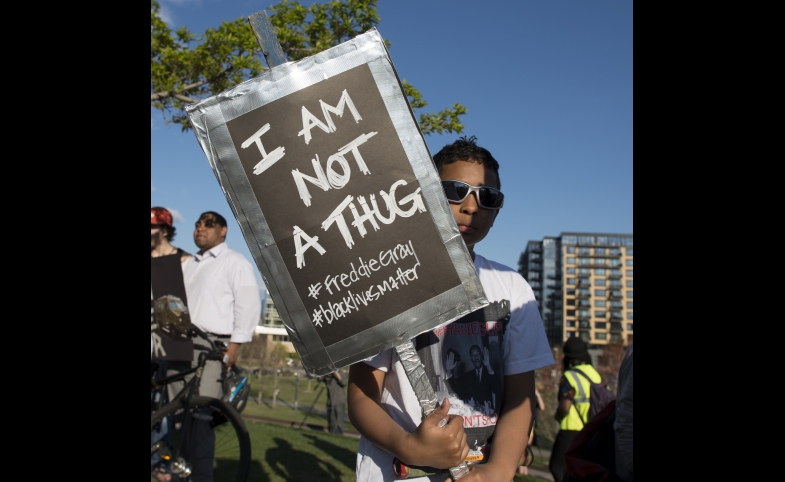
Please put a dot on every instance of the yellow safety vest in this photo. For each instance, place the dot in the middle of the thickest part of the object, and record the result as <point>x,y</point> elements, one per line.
<point>574,421</point>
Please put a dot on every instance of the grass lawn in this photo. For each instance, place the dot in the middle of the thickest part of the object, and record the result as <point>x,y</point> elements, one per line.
<point>289,454</point>
<point>291,388</point>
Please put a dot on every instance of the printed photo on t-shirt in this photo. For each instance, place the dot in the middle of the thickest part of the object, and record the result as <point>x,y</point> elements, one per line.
<point>467,367</point>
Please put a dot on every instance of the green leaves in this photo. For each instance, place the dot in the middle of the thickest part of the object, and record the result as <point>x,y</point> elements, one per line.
<point>186,68</point>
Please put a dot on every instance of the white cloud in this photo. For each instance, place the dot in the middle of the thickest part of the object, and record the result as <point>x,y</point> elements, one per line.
<point>152,188</point>
<point>183,2</point>
<point>166,15</point>
<point>176,216</point>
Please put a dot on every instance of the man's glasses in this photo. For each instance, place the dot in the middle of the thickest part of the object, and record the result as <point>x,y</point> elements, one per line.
<point>487,197</point>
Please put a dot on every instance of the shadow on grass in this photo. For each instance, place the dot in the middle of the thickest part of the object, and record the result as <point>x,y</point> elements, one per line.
<point>345,456</point>
<point>296,465</point>
<point>226,468</point>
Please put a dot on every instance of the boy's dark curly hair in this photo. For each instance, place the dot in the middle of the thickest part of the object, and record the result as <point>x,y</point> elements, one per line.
<point>466,149</point>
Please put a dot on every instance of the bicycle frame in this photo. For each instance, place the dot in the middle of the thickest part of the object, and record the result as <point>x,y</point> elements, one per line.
<point>190,388</point>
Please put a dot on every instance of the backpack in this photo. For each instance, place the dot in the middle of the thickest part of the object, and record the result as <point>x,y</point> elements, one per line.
<point>599,396</point>
<point>591,455</point>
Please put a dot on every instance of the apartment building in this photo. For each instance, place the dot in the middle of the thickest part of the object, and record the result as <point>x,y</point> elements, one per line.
<point>271,327</point>
<point>583,283</point>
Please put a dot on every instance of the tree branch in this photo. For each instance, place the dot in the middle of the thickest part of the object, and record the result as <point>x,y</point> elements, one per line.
<point>175,94</point>
<point>184,98</point>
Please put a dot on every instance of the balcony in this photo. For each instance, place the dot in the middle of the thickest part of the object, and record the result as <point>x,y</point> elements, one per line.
<point>554,276</point>
<point>556,286</point>
<point>584,296</point>
<point>615,276</point>
<point>616,327</point>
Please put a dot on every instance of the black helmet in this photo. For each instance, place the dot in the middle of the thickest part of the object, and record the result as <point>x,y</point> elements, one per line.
<point>236,388</point>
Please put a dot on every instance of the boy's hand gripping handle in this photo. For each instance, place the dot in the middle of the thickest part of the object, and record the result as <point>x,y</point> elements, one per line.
<point>415,372</point>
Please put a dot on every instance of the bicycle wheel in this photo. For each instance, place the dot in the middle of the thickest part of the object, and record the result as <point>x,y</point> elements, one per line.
<point>217,447</point>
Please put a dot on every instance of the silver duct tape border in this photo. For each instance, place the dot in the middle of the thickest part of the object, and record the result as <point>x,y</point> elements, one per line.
<point>209,119</point>
<point>415,371</point>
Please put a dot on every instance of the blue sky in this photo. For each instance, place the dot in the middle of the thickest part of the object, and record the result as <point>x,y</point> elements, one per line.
<point>548,87</point>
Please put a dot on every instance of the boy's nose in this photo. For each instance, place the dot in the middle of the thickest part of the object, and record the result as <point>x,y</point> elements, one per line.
<point>469,204</point>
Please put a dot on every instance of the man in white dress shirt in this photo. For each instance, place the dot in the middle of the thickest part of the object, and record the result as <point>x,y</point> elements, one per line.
<point>223,296</point>
<point>223,301</point>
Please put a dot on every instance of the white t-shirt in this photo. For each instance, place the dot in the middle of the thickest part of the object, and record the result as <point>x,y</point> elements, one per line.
<point>508,335</point>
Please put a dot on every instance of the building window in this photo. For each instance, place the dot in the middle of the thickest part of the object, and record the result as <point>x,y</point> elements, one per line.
<point>629,283</point>
<point>584,261</point>
<point>599,314</point>
<point>615,272</point>
<point>570,260</point>
<point>629,251</point>
<point>570,312</point>
<point>570,281</point>
<point>584,292</point>
<point>615,283</point>
<point>615,262</point>
<point>600,325</point>
<point>629,315</point>
<point>584,271</point>
<point>586,336</point>
<point>584,314</point>
<point>599,282</point>
<point>599,250</point>
<point>629,294</point>
<point>571,302</point>
<point>570,249</point>
<point>585,324</point>
<point>615,326</point>
<point>600,261</point>
<point>599,271</point>
<point>535,284</point>
<point>599,292</point>
<point>571,323</point>
<point>629,305</point>
<point>280,338</point>
<point>629,326</point>
<point>571,291</point>
<point>584,251</point>
<point>615,315</point>
<point>615,337</point>
<point>629,262</point>
<point>614,251</point>
<point>534,275</point>
<point>601,336</point>
<point>629,272</point>
<point>570,270</point>
<point>615,304</point>
<point>584,303</point>
<point>584,282</point>
<point>599,303</point>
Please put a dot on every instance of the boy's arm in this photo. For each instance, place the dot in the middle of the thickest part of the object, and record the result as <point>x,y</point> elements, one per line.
<point>429,445</point>
<point>508,445</point>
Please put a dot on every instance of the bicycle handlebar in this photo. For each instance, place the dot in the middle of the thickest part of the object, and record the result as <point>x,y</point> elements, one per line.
<point>218,354</point>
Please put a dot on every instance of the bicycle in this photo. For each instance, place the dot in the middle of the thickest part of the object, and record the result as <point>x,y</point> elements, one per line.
<point>187,449</point>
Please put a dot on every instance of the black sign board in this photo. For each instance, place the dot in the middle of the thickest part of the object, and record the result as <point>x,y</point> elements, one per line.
<point>340,204</point>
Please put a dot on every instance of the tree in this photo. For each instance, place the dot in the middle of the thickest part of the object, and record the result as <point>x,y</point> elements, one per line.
<point>186,68</point>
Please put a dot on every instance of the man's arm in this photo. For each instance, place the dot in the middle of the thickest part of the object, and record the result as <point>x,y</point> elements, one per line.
<point>565,400</point>
<point>429,445</point>
<point>508,445</point>
<point>247,307</point>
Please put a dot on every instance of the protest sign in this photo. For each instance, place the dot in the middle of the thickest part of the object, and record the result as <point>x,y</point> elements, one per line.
<point>330,180</point>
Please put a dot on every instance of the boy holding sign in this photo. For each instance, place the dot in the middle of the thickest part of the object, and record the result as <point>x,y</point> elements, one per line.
<point>481,366</point>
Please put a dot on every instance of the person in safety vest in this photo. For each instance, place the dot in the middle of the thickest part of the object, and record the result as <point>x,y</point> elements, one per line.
<point>573,410</point>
